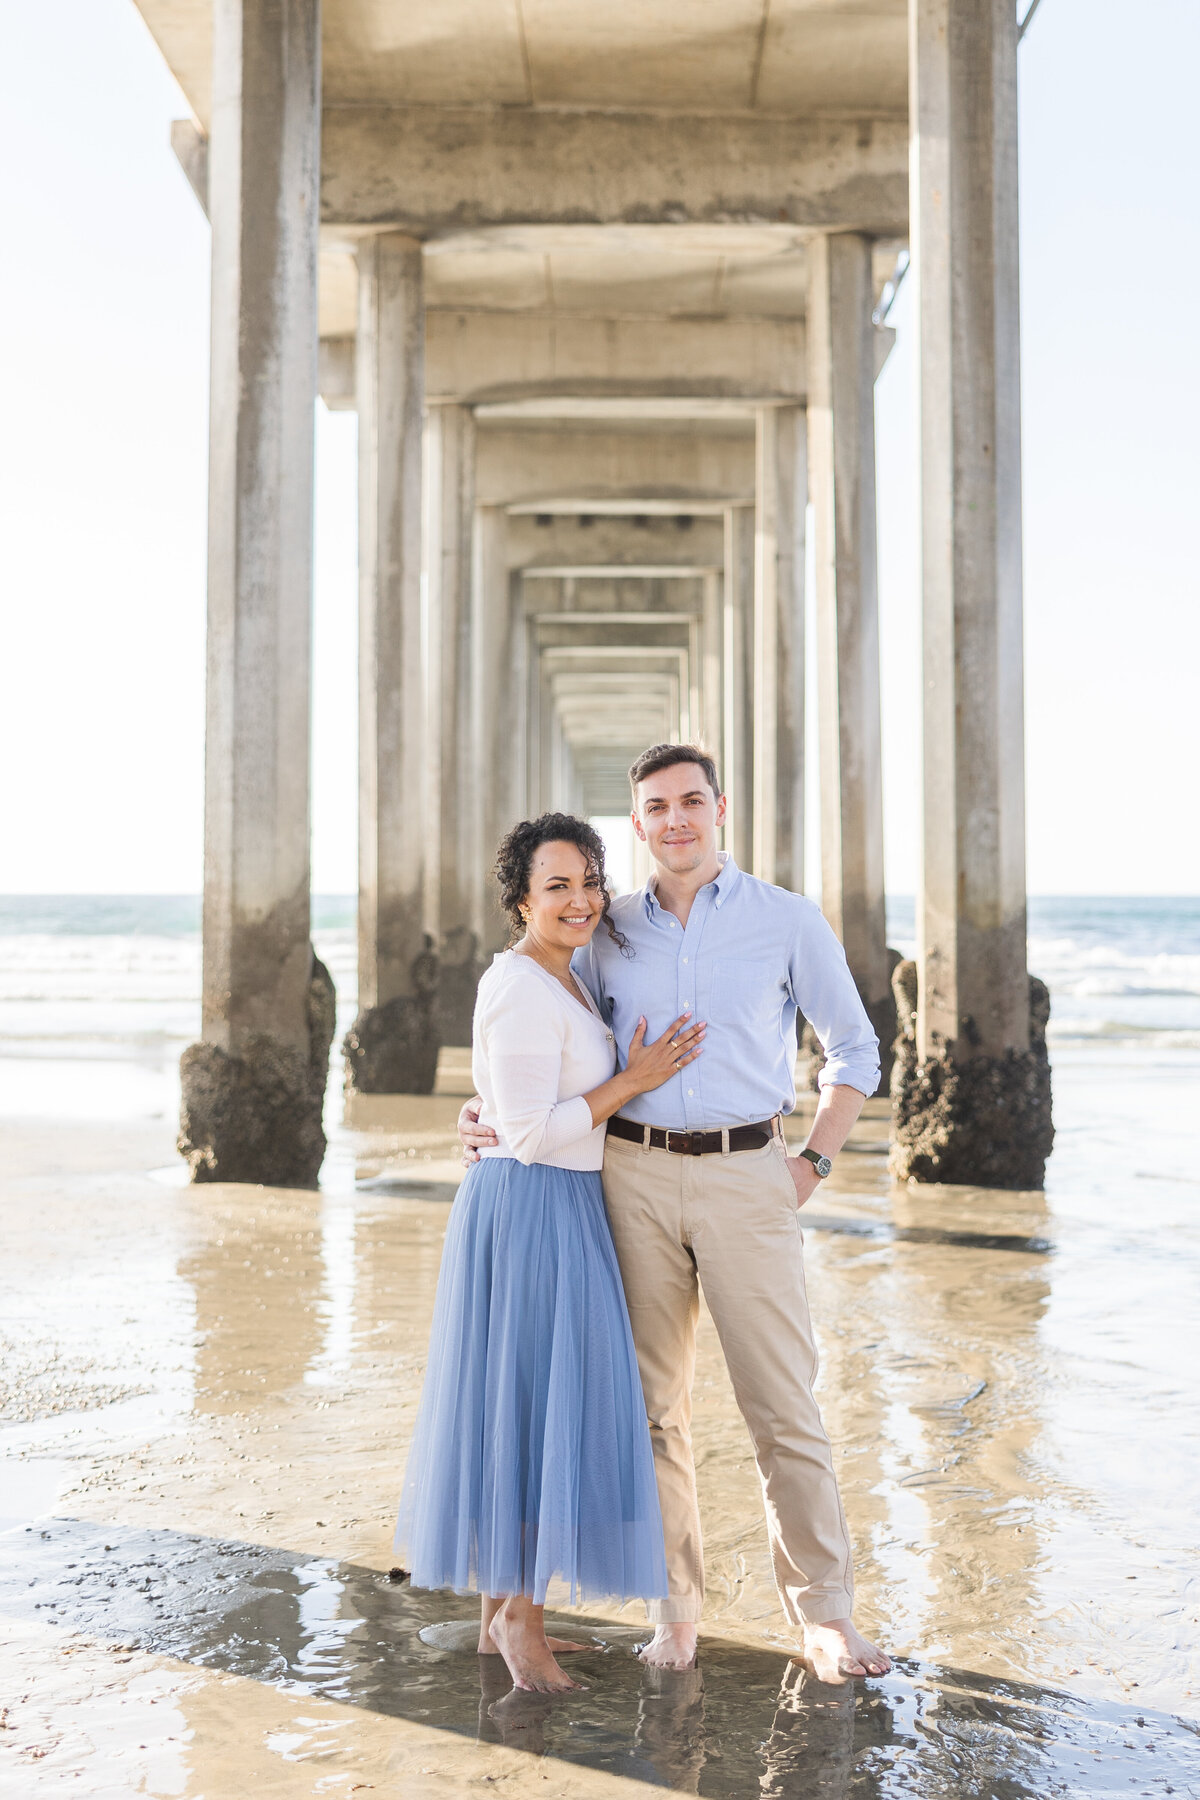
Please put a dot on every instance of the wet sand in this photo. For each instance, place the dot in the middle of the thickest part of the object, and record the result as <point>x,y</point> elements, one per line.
<point>208,1401</point>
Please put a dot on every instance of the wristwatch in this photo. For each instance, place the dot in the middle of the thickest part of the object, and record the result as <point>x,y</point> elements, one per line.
<point>822,1164</point>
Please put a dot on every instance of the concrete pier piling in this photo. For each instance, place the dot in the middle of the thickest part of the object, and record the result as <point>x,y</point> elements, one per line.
<point>450,656</point>
<point>251,1102</point>
<point>841,424</point>
<point>392,1046</point>
<point>781,493</point>
<point>978,1077</point>
<point>607,319</point>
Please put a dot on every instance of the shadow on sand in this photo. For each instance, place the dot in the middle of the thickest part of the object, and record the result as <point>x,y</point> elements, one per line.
<point>746,1722</point>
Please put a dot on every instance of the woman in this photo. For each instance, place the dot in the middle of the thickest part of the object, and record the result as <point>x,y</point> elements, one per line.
<point>531,1457</point>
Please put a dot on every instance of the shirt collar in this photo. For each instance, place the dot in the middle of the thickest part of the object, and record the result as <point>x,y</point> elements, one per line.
<point>720,888</point>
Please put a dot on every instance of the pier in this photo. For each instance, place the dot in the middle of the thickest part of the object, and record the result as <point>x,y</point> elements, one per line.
<point>608,294</point>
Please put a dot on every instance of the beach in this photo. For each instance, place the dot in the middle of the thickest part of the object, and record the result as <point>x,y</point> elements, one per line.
<point>208,1395</point>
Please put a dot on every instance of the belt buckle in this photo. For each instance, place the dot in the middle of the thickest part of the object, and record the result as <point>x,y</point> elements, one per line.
<point>685,1146</point>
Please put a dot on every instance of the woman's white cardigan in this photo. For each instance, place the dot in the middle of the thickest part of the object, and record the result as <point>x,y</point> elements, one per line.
<point>535,1052</point>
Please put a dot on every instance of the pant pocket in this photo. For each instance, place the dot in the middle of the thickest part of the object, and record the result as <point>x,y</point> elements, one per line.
<point>784,1174</point>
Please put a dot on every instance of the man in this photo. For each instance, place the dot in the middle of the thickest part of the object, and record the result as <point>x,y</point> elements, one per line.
<point>700,1188</point>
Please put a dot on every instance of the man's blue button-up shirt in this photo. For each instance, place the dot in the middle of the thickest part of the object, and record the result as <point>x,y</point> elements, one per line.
<point>749,958</point>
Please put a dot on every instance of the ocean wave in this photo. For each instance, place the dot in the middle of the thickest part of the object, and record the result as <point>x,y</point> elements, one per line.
<point>1118,1031</point>
<point>79,970</point>
<point>1111,969</point>
<point>111,970</point>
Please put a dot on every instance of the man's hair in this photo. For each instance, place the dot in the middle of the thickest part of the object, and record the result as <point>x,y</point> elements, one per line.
<point>665,756</point>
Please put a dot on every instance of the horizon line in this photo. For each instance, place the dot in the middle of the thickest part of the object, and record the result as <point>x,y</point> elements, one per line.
<point>350,895</point>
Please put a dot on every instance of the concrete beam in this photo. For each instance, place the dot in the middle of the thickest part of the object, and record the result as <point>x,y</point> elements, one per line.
<point>569,540</point>
<point>191,151</point>
<point>483,357</point>
<point>590,505</point>
<point>618,571</point>
<point>518,465</point>
<point>434,169</point>
<point>336,380</point>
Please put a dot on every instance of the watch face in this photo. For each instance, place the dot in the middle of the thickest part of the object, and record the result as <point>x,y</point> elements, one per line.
<point>824,1166</point>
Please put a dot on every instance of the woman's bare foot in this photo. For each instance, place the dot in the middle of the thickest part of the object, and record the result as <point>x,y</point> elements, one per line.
<point>491,1606</point>
<point>518,1633</point>
<point>559,1646</point>
<point>838,1653</point>
<point>672,1646</point>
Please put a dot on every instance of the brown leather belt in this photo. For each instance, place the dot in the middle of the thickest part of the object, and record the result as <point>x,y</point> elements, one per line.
<point>694,1143</point>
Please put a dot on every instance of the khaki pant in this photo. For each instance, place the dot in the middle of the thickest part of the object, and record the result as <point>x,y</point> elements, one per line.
<point>730,1222</point>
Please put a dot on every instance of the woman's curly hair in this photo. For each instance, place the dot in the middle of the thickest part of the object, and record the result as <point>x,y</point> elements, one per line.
<point>514,860</point>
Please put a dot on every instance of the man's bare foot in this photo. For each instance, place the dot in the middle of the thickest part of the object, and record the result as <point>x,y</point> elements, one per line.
<point>837,1652</point>
<point>521,1641</point>
<point>672,1646</point>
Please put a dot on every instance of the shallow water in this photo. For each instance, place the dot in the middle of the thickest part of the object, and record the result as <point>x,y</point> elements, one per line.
<point>747,1720</point>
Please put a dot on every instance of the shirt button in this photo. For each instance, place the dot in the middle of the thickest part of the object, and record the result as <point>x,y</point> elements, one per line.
<point>685,959</point>
<point>691,1090</point>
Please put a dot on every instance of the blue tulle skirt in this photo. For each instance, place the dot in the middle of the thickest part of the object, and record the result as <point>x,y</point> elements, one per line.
<point>531,1458</point>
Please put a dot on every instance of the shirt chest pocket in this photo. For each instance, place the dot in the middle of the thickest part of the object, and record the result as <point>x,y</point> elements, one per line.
<point>746,996</point>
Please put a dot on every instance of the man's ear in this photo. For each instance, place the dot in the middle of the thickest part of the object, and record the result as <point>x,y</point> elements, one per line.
<point>720,809</point>
<point>637,825</point>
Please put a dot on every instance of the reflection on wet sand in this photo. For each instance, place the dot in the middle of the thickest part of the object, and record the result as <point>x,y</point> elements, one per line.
<point>931,1392</point>
<point>748,1720</point>
<point>257,1278</point>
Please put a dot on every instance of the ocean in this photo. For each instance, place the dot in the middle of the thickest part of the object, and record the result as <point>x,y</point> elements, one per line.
<point>100,993</point>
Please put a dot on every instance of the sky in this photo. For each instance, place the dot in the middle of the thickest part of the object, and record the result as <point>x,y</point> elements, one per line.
<point>104,341</point>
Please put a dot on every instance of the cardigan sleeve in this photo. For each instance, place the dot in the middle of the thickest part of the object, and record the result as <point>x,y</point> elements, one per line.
<point>523,1041</point>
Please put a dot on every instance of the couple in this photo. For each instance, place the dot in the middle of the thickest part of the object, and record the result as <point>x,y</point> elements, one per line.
<point>553,1438</point>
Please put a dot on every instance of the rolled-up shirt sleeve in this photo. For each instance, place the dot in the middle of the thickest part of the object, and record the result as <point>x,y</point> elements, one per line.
<point>535,1123</point>
<point>823,988</point>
